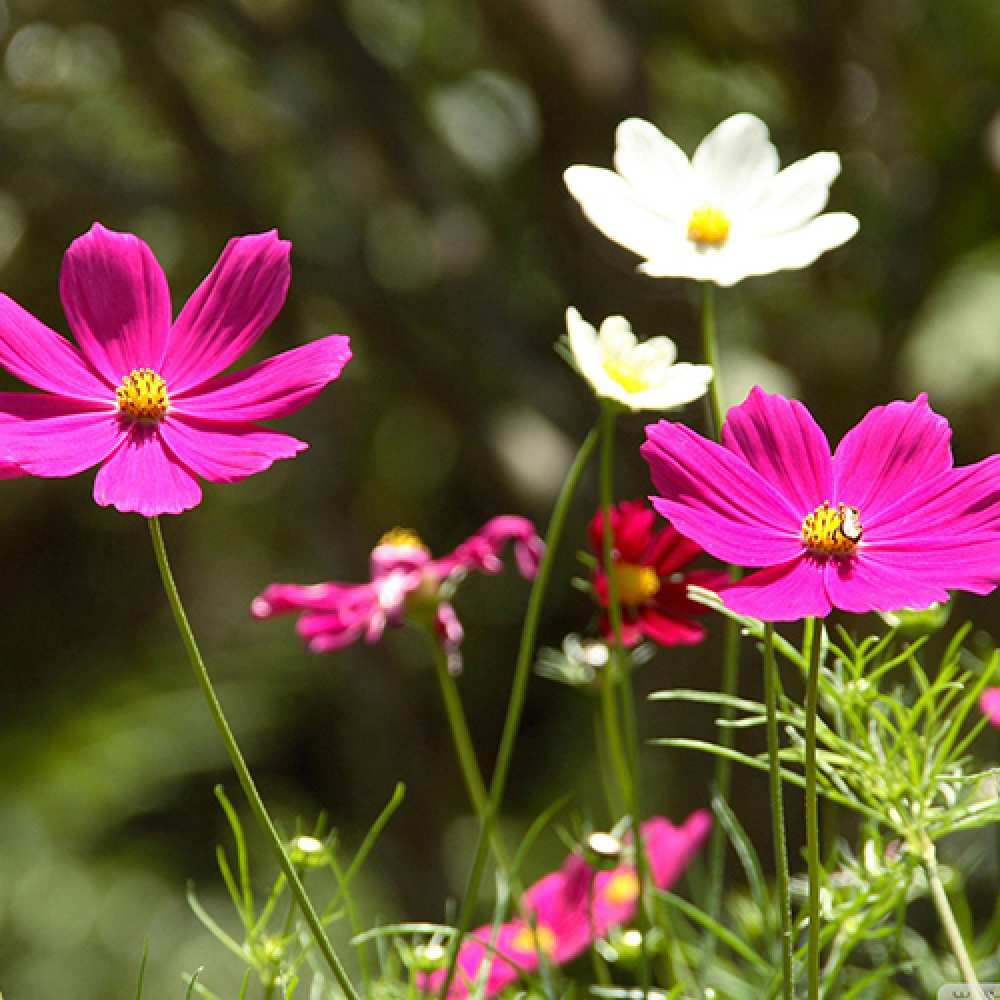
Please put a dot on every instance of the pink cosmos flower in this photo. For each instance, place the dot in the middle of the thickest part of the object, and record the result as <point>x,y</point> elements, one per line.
<point>405,580</point>
<point>566,911</point>
<point>649,567</point>
<point>887,522</point>
<point>142,396</point>
<point>989,703</point>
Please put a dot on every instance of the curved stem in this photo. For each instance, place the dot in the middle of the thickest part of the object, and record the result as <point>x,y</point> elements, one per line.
<point>240,767</point>
<point>948,921</point>
<point>812,814</point>
<point>612,733</point>
<point>522,672</point>
<point>466,753</point>
<point>624,680</point>
<point>778,810</point>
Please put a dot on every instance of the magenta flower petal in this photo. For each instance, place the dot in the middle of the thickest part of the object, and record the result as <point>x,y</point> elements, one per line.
<point>142,477</point>
<point>54,436</point>
<point>870,583</point>
<point>226,453</point>
<point>894,450</point>
<point>989,703</point>
<point>782,593</point>
<point>715,498</point>
<point>39,356</point>
<point>273,388</point>
<point>229,310</point>
<point>117,302</point>
<point>780,440</point>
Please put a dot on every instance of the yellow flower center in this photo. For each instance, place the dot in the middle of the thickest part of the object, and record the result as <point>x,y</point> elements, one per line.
<point>403,538</point>
<point>627,376</point>
<point>636,584</point>
<point>528,941</point>
<point>143,395</point>
<point>622,888</point>
<point>833,531</point>
<point>708,227</point>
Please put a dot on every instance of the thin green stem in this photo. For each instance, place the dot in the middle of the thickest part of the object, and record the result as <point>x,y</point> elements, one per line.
<point>522,672</point>
<point>465,752</point>
<point>731,648</point>
<point>948,921</point>
<point>812,815</point>
<point>778,810</point>
<point>620,672</point>
<point>240,767</point>
<point>612,734</point>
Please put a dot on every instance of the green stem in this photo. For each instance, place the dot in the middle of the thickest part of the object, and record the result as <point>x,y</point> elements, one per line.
<point>948,921</point>
<point>731,648</point>
<point>612,734</point>
<point>778,810</point>
<point>239,765</point>
<point>621,675</point>
<point>812,814</point>
<point>522,672</point>
<point>466,753</point>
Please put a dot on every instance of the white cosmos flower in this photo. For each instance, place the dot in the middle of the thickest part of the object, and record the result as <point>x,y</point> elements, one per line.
<point>725,214</point>
<point>639,376</point>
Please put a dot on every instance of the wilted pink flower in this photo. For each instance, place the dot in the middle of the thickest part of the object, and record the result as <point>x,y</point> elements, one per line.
<point>564,912</point>
<point>143,396</point>
<point>989,703</point>
<point>887,522</point>
<point>650,566</point>
<point>405,579</point>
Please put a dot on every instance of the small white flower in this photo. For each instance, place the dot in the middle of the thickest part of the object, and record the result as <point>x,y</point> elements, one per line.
<point>724,215</point>
<point>639,376</point>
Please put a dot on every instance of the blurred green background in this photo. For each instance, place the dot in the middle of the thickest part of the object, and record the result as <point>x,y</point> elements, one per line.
<point>412,150</point>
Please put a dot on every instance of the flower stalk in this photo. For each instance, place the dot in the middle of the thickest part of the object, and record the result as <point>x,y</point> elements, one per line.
<point>240,766</point>
<point>771,682</point>
<point>812,813</point>
<point>515,707</point>
<point>623,679</point>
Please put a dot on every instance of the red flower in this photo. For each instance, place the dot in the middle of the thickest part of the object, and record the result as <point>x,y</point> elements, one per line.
<point>652,583</point>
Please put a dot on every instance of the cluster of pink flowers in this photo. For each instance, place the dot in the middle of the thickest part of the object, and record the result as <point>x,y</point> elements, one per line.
<point>650,565</point>
<point>563,913</point>
<point>405,582</point>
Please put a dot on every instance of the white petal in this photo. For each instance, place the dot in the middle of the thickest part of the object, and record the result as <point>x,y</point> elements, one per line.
<point>582,342</point>
<point>685,384</point>
<point>798,194</point>
<point>611,205</point>
<point>654,354</point>
<point>616,336</point>
<point>735,161</point>
<point>689,262</point>
<point>656,168</point>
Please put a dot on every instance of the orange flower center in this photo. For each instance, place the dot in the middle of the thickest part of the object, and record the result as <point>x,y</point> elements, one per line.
<point>832,531</point>
<point>622,888</point>
<point>528,941</point>
<point>403,538</point>
<point>708,227</point>
<point>143,395</point>
<point>636,584</point>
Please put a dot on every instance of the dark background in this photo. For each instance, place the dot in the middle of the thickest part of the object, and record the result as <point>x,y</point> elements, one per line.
<point>412,150</point>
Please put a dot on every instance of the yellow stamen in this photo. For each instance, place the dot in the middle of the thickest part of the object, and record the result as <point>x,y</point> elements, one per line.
<point>143,395</point>
<point>529,942</point>
<point>622,888</point>
<point>627,376</point>
<point>636,584</point>
<point>832,531</point>
<point>708,227</point>
<point>403,538</point>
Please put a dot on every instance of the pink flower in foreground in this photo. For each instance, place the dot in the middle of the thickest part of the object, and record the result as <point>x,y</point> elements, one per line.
<point>405,579</point>
<point>989,703</point>
<point>569,909</point>
<point>650,570</point>
<point>887,522</point>
<point>143,396</point>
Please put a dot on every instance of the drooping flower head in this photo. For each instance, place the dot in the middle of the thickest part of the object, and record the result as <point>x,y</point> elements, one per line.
<point>652,581</point>
<point>887,522</point>
<point>406,582</point>
<point>143,396</point>
<point>566,911</point>
<point>725,214</point>
<point>639,376</point>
